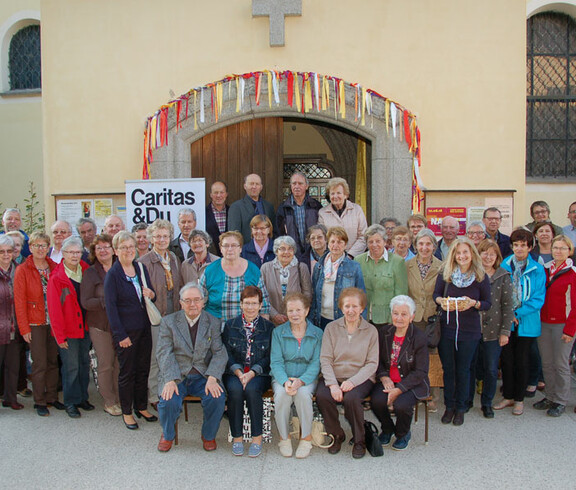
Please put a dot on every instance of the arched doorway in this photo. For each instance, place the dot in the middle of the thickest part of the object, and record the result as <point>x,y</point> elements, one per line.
<point>341,111</point>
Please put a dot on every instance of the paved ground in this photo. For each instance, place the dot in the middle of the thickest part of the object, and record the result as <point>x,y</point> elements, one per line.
<point>96,451</point>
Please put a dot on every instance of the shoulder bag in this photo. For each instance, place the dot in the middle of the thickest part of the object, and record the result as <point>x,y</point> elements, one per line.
<point>153,314</point>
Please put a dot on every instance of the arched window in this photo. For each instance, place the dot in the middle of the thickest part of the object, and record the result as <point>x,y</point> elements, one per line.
<point>24,61</point>
<point>316,169</point>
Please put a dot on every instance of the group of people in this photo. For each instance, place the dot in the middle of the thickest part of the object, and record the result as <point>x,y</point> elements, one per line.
<point>309,301</point>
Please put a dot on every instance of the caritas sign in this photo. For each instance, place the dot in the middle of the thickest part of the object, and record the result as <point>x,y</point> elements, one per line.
<point>149,200</point>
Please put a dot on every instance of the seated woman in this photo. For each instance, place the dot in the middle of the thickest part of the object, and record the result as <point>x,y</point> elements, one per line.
<point>348,359</point>
<point>259,250</point>
<point>402,371</point>
<point>247,339</point>
<point>284,275</point>
<point>295,365</point>
<point>334,272</point>
<point>193,267</point>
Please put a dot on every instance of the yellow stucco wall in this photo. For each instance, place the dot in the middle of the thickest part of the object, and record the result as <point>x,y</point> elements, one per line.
<point>459,65</point>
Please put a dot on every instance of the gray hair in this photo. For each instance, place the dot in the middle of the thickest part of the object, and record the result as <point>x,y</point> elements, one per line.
<point>389,219</point>
<point>316,227</point>
<point>191,285</point>
<point>202,234</point>
<point>113,216</point>
<point>160,224</point>
<point>16,234</point>
<point>403,300</point>
<point>476,223</point>
<point>11,210</point>
<point>284,240</point>
<point>375,230</point>
<point>430,234</point>
<point>187,211</point>
<point>6,240</point>
<point>72,241</point>
<point>83,221</point>
<point>60,222</point>
<point>121,237</point>
<point>301,174</point>
<point>139,226</point>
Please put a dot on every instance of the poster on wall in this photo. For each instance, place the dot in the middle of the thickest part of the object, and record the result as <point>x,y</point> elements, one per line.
<point>435,216</point>
<point>149,200</point>
<point>102,209</point>
<point>506,206</point>
<point>71,210</point>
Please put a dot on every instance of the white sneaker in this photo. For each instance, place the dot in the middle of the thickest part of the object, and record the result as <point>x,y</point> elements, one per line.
<point>286,448</point>
<point>303,449</point>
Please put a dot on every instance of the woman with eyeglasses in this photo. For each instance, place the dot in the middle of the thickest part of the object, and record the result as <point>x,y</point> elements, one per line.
<point>124,294</point>
<point>92,299</point>
<point>260,249</point>
<point>30,303</point>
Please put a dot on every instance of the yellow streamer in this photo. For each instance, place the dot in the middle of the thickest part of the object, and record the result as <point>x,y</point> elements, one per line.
<point>153,125</point>
<point>297,92</point>
<point>361,185</point>
<point>220,97</point>
<point>342,98</point>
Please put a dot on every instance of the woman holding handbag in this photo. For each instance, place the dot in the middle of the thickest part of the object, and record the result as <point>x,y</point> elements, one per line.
<point>125,291</point>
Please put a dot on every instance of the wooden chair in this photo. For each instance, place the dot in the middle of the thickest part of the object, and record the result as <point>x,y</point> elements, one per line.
<point>436,377</point>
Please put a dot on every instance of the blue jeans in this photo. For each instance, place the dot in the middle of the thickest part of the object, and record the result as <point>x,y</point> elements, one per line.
<point>213,408</point>
<point>456,364</point>
<point>488,358</point>
<point>75,370</point>
<point>253,396</point>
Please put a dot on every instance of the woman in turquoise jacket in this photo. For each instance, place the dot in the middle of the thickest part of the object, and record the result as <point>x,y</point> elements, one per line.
<point>529,291</point>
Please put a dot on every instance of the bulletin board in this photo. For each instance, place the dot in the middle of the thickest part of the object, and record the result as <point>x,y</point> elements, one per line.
<point>72,207</point>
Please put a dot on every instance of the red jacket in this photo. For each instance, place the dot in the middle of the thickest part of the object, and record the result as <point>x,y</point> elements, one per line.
<point>560,303</point>
<point>64,307</point>
<point>28,295</point>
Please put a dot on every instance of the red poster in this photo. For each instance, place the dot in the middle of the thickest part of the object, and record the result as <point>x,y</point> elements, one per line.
<point>435,215</point>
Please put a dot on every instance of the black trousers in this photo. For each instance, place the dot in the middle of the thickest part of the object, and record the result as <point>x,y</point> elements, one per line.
<point>515,365</point>
<point>403,408</point>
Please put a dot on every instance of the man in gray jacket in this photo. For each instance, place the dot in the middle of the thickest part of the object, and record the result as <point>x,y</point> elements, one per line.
<point>191,361</point>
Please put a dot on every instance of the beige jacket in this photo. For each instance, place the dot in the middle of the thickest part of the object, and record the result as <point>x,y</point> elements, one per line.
<point>421,290</point>
<point>353,220</point>
<point>299,282</point>
<point>158,278</point>
<point>355,360</point>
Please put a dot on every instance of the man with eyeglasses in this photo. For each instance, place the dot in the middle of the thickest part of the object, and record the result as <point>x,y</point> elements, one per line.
<point>191,361</point>
<point>60,230</point>
<point>540,212</point>
<point>492,219</point>
<point>476,232</point>
<point>570,230</point>
<point>12,221</point>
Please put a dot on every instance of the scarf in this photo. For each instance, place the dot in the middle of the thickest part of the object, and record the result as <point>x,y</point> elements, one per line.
<point>555,269</point>
<point>249,329</point>
<point>76,275</point>
<point>165,261</point>
<point>461,279</point>
<point>284,272</point>
<point>7,316</point>
<point>518,267</point>
<point>331,268</point>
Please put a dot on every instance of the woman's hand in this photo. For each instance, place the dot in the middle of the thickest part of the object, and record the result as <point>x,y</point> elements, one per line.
<point>245,378</point>
<point>336,393</point>
<point>279,319</point>
<point>63,345</point>
<point>27,337</point>
<point>443,303</point>
<point>292,386</point>
<point>503,340</point>
<point>125,343</point>
<point>466,303</point>
<point>148,293</point>
<point>169,389</point>
<point>387,383</point>
<point>392,395</point>
<point>567,339</point>
<point>347,386</point>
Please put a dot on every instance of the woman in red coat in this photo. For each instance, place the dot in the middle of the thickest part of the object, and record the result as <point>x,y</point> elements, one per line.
<point>558,327</point>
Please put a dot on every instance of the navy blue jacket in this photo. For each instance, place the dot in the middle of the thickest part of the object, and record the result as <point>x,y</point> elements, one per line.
<point>286,220</point>
<point>249,253</point>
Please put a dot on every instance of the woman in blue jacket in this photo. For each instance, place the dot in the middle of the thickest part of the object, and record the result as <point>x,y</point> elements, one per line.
<point>529,291</point>
<point>333,273</point>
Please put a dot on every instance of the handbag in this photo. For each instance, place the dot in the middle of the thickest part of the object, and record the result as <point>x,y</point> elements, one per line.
<point>319,436</point>
<point>153,314</point>
<point>373,444</point>
<point>433,327</point>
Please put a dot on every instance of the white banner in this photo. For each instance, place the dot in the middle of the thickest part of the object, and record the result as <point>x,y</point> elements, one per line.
<point>149,200</point>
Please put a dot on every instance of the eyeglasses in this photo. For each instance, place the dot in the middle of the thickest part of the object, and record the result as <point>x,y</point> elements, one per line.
<point>285,249</point>
<point>189,301</point>
<point>230,245</point>
<point>72,252</point>
<point>541,211</point>
<point>127,248</point>
<point>60,232</point>
<point>476,233</point>
<point>260,228</point>
<point>560,249</point>
<point>161,237</point>
<point>250,303</point>
<point>102,249</point>
<point>493,219</point>
<point>39,246</point>
<point>7,252</point>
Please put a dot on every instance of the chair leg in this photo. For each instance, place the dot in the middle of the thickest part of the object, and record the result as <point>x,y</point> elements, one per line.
<point>185,410</point>
<point>416,411</point>
<point>426,422</point>
<point>176,431</point>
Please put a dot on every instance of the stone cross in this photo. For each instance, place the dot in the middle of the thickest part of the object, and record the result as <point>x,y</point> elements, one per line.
<point>277,10</point>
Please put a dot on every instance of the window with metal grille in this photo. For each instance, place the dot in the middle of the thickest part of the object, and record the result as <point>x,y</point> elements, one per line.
<point>24,60</point>
<point>317,172</point>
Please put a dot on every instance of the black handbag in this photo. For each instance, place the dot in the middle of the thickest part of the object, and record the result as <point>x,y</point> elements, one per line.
<point>373,444</point>
<point>433,327</point>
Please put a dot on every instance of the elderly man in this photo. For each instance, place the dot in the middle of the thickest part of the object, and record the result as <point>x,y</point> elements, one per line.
<point>492,219</point>
<point>449,229</point>
<point>186,223</point>
<point>476,232</point>
<point>242,211</point>
<point>86,228</point>
<point>540,211</point>
<point>298,212</point>
<point>113,225</point>
<point>60,230</point>
<point>12,221</point>
<point>217,214</point>
<point>191,361</point>
<point>570,230</point>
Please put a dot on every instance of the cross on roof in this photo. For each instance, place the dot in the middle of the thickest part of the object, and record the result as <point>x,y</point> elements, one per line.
<point>276,10</point>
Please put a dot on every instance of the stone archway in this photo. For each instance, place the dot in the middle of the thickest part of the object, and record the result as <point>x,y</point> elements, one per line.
<point>172,130</point>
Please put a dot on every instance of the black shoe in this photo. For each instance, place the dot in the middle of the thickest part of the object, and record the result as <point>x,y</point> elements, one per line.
<point>57,405</point>
<point>139,414</point>
<point>42,410</point>
<point>529,394</point>
<point>543,404</point>
<point>133,426</point>
<point>448,416</point>
<point>73,412</point>
<point>85,405</point>
<point>335,448</point>
<point>488,412</point>
<point>556,410</point>
<point>458,418</point>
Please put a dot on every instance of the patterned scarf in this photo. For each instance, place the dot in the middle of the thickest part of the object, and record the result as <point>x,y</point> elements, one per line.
<point>518,267</point>
<point>249,328</point>
<point>461,279</point>
<point>165,261</point>
<point>331,268</point>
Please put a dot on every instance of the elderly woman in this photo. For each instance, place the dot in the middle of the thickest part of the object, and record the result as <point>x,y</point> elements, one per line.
<point>496,324</point>
<point>333,273</point>
<point>476,232</point>
<point>193,267</point>
<point>295,365</point>
<point>528,293</point>
<point>67,318</point>
<point>344,213</point>
<point>348,359</point>
<point>284,275</point>
<point>402,373</point>
<point>124,293</point>
<point>224,280</point>
<point>247,339</point>
<point>30,288</point>
<point>259,250</point>
<point>462,291</point>
<point>164,269</point>
<point>317,246</point>
<point>141,236</point>
<point>18,239</point>
<point>10,345</point>
<point>92,299</point>
<point>389,223</point>
<point>558,327</point>
<point>384,275</point>
<point>401,241</point>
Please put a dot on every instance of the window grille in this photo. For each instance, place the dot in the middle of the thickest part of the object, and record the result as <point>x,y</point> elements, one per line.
<point>24,61</point>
